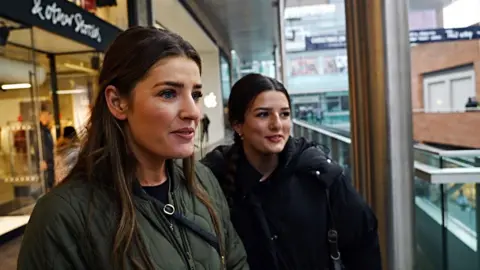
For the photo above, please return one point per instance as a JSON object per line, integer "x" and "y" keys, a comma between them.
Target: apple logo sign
{"x": 210, "y": 100}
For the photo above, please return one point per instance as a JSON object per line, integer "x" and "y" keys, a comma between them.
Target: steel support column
{"x": 281, "y": 33}
{"x": 54, "y": 88}
{"x": 380, "y": 97}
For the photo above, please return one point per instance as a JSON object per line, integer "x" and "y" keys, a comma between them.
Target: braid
{"x": 232, "y": 160}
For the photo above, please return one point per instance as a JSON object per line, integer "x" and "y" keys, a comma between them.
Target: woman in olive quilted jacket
{"x": 127, "y": 204}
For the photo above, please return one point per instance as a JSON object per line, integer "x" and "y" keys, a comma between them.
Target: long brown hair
{"x": 105, "y": 158}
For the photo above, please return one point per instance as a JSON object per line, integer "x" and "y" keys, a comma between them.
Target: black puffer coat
{"x": 284, "y": 220}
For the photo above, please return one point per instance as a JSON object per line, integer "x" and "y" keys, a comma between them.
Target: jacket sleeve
{"x": 51, "y": 239}
{"x": 357, "y": 227}
{"x": 236, "y": 257}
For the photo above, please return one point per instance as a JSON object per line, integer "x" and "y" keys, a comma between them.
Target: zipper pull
{"x": 224, "y": 267}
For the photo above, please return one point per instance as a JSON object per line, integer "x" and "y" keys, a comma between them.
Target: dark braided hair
{"x": 243, "y": 94}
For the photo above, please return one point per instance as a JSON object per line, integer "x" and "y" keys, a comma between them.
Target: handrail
{"x": 446, "y": 110}
{"x": 323, "y": 131}
{"x": 447, "y": 175}
{"x": 428, "y": 173}
{"x": 448, "y": 153}
{"x": 433, "y": 150}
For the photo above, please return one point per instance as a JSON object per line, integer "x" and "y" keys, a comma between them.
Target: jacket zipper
{"x": 169, "y": 227}
{"x": 185, "y": 240}
{"x": 185, "y": 245}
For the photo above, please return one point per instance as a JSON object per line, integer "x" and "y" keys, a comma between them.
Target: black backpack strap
{"x": 169, "y": 210}
{"x": 332, "y": 233}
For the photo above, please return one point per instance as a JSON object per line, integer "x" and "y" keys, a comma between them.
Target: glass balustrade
{"x": 445, "y": 189}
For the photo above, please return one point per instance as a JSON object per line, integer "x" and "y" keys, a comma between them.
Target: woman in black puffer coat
{"x": 292, "y": 206}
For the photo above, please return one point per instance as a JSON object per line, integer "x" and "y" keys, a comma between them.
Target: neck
{"x": 151, "y": 175}
{"x": 263, "y": 163}
{"x": 151, "y": 169}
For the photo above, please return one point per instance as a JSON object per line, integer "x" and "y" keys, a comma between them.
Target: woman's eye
{"x": 285, "y": 114}
{"x": 262, "y": 114}
{"x": 168, "y": 94}
{"x": 197, "y": 95}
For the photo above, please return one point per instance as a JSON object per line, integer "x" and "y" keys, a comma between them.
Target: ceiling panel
{"x": 251, "y": 25}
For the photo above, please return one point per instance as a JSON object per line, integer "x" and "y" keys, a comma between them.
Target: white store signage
{"x": 55, "y": 15}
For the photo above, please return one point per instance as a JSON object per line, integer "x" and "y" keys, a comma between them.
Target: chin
{"x": 274, "y": 149}
{"x": 182, "y": 152}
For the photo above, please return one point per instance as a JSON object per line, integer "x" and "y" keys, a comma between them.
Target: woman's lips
{"x": 185, "y": 133}
{"x": 274, "y": 138}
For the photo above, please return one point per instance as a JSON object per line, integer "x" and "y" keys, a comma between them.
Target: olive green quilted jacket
{"x": 56, "y": 236}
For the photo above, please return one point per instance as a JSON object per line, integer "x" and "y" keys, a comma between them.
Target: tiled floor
{"x": 9, "y": 254}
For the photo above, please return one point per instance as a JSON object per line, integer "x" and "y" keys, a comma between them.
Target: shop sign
{"x": 55, "y": 15}
{"x": 315, "y": 43}
{"x": 443, "y": 35}
{"x": 63, "y": 18}
{"x": 327, "y": 42}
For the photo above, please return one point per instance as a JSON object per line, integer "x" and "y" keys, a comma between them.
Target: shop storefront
{"x": 50, "y": 54}
{"x": 226, "y": 78}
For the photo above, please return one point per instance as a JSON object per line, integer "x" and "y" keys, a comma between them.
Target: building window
{"x": 345, "y": 103}
{"x": 333, "y": 104}
{"x": 449, "y": 90}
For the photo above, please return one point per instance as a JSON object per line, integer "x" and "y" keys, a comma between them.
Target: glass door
{"x": 21, "y": 178}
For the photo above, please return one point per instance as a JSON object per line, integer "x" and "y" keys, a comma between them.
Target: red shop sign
{"x": 90, "y": 5}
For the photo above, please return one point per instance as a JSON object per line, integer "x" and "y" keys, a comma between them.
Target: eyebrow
{"x": 177, "y": 84}
{"x": 269, "y": 109}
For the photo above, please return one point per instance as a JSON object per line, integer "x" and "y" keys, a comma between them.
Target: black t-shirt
{"x": 159, "y": 192}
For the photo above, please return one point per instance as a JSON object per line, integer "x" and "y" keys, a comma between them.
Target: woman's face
{"x": 267, "y": 123}
{"x": 164, "y": 110}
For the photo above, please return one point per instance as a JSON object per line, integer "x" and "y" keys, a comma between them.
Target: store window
{"x": 449, "y": 91}
{"x": 19, "y": 141}
{"x": 226, "y": 82}
{"x": 225, "y": 78}
{"x": 52, "y": 74}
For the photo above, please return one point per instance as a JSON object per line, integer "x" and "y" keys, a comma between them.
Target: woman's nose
{"x": 275, "y": 122}
{"x": 190, "y": 109}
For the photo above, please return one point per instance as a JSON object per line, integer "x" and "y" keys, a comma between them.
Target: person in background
{"x": 127, "y": 203}
{"x": 292, "y": 206}
{"x": 66, "y": 154}
{"x": 462, "y": 200}
{"x": 472, "y": 104}
{"x": 204, "y": 126}
{"x": 47, "y": 162}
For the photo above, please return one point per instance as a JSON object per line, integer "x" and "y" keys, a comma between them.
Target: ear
{"x": 117, "y": 105}
{"x": 238, "y": 129}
